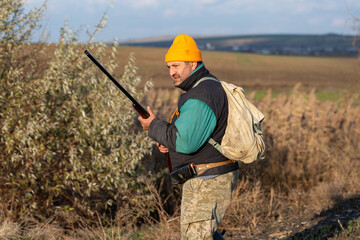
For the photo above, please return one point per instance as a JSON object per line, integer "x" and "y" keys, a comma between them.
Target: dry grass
{"x": 312, "y": 160}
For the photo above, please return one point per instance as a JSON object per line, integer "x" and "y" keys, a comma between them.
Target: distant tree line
{"x": 307, "y": 45}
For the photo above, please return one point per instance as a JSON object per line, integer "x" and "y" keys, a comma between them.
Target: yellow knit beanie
{"x": 183, "y": 49}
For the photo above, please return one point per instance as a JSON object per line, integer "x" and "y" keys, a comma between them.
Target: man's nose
{"x": 172, "y": 71}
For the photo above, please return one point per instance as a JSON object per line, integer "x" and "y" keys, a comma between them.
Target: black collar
{"x": 188, "y": 83}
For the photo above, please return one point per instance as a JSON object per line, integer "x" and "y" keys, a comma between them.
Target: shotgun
{"x": 140, "y": 109}
{"x": 143, "y": 113}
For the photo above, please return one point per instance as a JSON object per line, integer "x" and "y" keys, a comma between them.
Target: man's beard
{"x": 176, "y": 76}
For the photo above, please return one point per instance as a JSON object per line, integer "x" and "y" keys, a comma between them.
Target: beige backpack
{"x": 243, "y": 140}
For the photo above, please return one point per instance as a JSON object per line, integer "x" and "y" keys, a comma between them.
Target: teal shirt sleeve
{"x": 194, "y": 126}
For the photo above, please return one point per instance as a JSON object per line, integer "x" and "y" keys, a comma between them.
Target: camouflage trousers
{"x": 203, "y": 205}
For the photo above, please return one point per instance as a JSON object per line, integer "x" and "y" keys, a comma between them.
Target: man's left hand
{"x": 145, "y": 122}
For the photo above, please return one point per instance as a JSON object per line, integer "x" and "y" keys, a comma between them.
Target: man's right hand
{"x": 162, "y": 148}
{"x": 145, "y": 122}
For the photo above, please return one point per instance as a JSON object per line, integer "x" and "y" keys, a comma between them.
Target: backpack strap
{"x": 215, "y": 144}
{"x": 205, "y": 78}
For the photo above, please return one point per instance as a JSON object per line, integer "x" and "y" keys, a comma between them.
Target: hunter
{"x": 201, "y": 113}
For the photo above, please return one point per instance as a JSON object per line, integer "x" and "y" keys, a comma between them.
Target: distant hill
{"x": 282, "y": 44}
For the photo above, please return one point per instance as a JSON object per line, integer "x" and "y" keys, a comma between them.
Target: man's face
{"x": 179, "y": 71}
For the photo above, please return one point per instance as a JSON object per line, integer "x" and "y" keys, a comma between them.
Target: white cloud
{"x": 67, "y": 2}
{"x": 315, "y": 21}
{"x": 338, "y": 22}
{"x": 34, "y": 2}
{"x": 169, "y": 13}
{"x": 218, "y": 16}
{"x": 144, "y": 3}
{"x": 280, "y": 6}
{"x": 206, "y": 1}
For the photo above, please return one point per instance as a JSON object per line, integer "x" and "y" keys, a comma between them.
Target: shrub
{"x": 68, "y": 137}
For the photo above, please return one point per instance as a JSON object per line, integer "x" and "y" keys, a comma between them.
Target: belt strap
{"x": 200, "y": 168}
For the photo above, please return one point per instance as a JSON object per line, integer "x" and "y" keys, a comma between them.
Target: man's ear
{"x": 193, "y": 66}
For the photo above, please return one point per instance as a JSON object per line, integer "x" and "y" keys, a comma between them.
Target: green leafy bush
{"x": 68, "y": 136}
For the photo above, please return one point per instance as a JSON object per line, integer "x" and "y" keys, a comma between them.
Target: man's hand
{"x": 162, "y": 148}
{"x": 145, "y": 123}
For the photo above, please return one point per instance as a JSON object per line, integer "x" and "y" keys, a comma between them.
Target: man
{"x": 202, "y": 113}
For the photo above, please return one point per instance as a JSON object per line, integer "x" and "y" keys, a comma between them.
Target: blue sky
{"x": 133, "y": 19}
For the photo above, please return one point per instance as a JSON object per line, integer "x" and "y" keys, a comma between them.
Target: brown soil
{"x": 255, "y": 72}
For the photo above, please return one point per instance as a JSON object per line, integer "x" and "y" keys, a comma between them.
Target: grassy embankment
{"x": 328, "y": 76}
{"x": 257, "y": 72}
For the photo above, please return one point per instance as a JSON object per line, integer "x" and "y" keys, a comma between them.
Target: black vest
{"x": 213, "y": 95}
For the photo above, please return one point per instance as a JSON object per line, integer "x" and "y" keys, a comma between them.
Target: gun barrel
{"x": 136, "y": 104}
